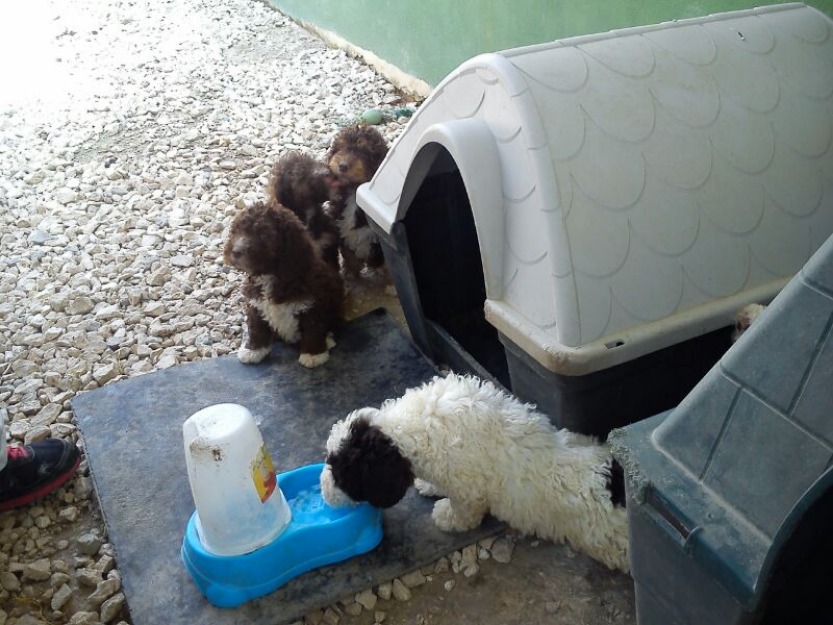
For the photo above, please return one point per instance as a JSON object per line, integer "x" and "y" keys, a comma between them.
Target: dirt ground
{"x": 543, "y": 583}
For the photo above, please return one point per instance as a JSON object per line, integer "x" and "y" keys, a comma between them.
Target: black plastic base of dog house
{"x": 434, "y": 258}
{"x": 598, "y": 402}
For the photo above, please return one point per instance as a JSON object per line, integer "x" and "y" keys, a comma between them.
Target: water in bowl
{"x": 308, "y": 508}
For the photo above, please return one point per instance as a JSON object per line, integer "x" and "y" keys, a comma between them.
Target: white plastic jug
{"x": 240, "y": 506}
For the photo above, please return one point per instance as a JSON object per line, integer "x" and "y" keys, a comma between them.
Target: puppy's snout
{"x": 342, "y": 167}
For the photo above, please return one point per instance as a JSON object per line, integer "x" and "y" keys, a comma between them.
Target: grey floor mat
{"x": 133, "y": 435}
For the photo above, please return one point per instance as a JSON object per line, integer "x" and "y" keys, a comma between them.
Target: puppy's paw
{"x": 331, "y": 342}
{"x": 444, "y": 517}
{"x": 427, "y": 489}
{"x": 251, "y": 356}
{"x": 311, "y": 361}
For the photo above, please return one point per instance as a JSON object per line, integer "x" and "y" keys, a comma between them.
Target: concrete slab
{"x": 132, "y": 431}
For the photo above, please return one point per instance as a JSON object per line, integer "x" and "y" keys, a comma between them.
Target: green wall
{"x": 429, "y": 38}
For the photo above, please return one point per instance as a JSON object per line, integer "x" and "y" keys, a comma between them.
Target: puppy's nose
{"x": 342, "y": 167}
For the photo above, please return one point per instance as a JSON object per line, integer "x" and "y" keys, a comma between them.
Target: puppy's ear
{"x": 369, "y": 467}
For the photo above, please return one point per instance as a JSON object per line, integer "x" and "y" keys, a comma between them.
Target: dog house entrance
{"x": 445, "y": 258}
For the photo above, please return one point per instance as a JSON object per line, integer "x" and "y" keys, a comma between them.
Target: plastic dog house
{"x": 730, "y": 495}
{"x": 581, "y": 220}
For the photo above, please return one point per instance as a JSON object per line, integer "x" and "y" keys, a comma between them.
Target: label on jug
{"x": 263, "y": 474}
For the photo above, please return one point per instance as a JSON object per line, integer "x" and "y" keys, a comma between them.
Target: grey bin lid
{"x": 750, "y": 448}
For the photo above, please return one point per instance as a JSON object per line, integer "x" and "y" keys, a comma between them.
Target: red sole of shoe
{"x": 43, "y": 490}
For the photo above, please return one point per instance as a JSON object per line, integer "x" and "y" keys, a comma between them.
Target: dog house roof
{"x": 633, "y": 189}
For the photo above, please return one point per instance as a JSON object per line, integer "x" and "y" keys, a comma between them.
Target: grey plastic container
{"x": 730, "y": 495}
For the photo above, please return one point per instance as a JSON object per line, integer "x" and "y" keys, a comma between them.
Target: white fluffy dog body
{"x": 484, "y": 452}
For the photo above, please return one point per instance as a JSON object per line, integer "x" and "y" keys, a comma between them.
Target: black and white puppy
{"x": 482, "y": 451}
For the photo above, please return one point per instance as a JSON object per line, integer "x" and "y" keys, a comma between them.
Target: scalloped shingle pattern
{"x": 650, "y": 171}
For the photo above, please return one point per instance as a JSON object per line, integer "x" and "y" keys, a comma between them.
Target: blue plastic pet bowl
{"x": 317, "y": 535}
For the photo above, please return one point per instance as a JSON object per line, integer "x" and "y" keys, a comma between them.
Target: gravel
{"x": 130, "y": 133}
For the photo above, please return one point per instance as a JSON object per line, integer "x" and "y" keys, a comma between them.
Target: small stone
{"x": 39, "y": 237}
{"x": 442, "y": 565}
{"x": 449, "y": 585}
{"x": 88, "y": 543}
{"x": 413, "y": 579}
{"x": 84, "y": 618}
{"x": 105, "y": 564}
{"x": 104, "y": 590}
{"x": 166, "y": 362}
{"x": 159, "y": 277}
{"x": 80, "y": 306}
{"x": 469, "y": 555}
{"x": 108, "y": 312}
{"x": 58, "y": 302}
{"x": 88, "y": 577}
{"x": 48, "y": 414}
{"x": 471, "y": 570}
{"x": 181, "y": 260}
{"x": 68, "y": 514}
{"x": 135, "y": 296}
{"x": 367, "y": 599}
{"x": 61, "y": 596}
{"x": 105, "y": 373}
{"x": 37, "y": 433}
{"x": 155, "y": 309}
{"x": 112, "y": 607}
{"x": 400, "y": 591}
{"x": 65, "y": 195}
{"x": 385, "y": 591}
{"x": 331, "y": 617}
{"x": 9, "y": 581}
{"x": 502, "y": 550}
{"x": 353, "y": 609}
{"x": 379, "y": 616}
{"x": 38, "y": 571}
{"x": 228, "y": 164}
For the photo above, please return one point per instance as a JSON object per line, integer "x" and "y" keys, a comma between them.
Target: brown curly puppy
{"x": 354, "y": 156}
{"x": 291, "y": 294}
{"x": 302, "y": 184}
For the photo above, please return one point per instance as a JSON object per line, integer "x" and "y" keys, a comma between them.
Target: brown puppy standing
{"x": 291, "y": 293}
{"x": 354, "y": 156}
{"x": 302, "y": 184}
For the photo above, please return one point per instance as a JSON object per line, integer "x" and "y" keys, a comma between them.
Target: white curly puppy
{"x": 483, "y": 451}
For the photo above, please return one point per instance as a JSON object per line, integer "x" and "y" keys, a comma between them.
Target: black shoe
{"x": 35, "y": 470}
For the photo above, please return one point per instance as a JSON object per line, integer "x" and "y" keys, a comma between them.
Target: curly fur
{"x": 291, "y": 294}
{"x": 354, "y": 156}
{"x": 302, "y": 184}
{"x": 484, "y": 452}
{"x": 744, "y": 319}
